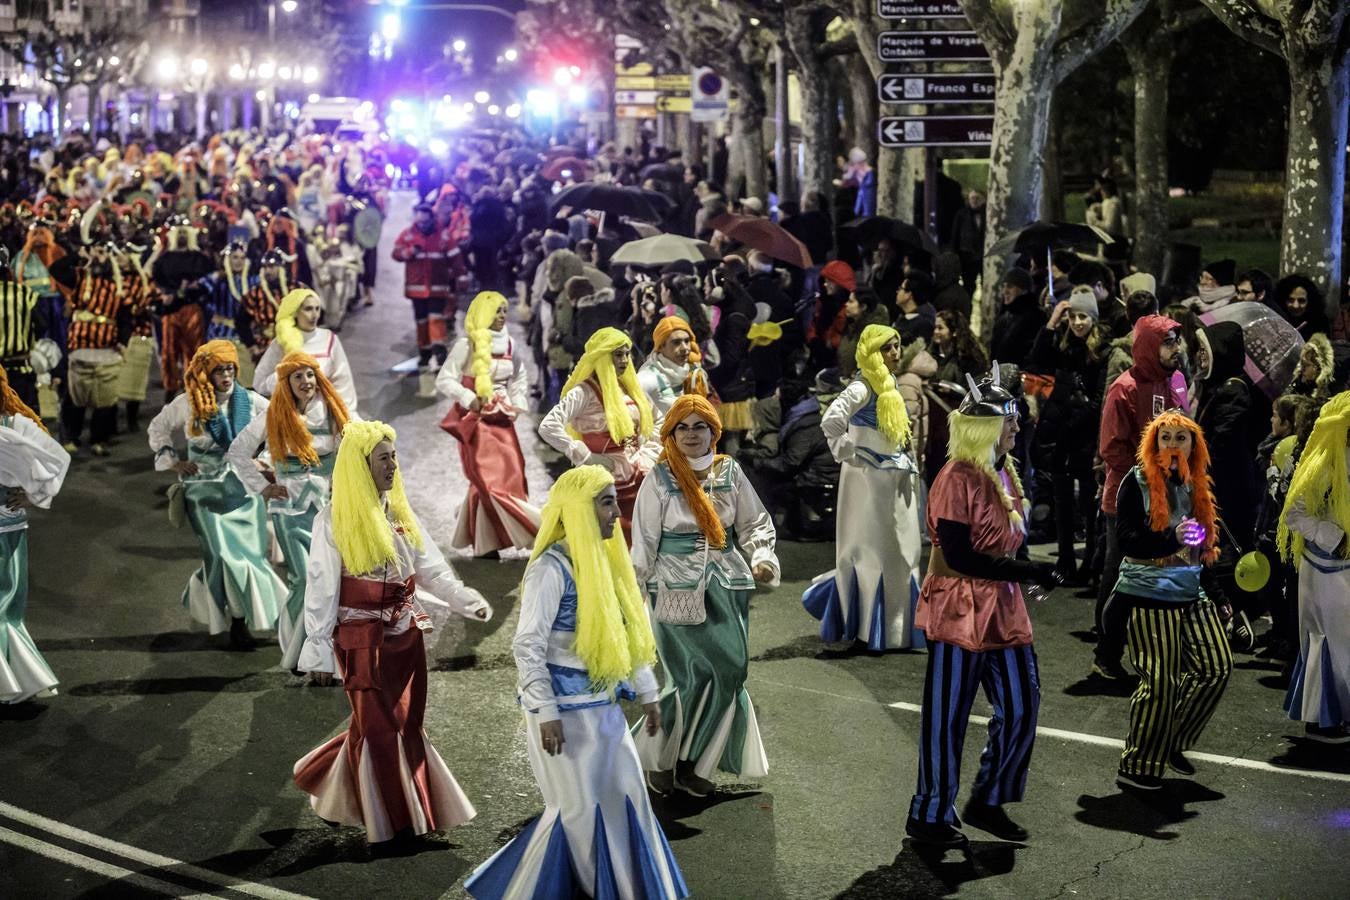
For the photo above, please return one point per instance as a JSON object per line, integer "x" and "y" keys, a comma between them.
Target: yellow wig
{"x": 1320, "y": 482}
{"x": 597, "y": 361}
{"x": 289, "y": 335}
{"x": 197, "y": 385}
{"x": 973, "y": 439}
{"x": 478, "y": 322}
{"x": 614, "y": 635}
{"x": 892, "y": 419}
{"x": 362, "y": 532}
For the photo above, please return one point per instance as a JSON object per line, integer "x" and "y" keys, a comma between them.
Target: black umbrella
{"x": 1040, "y": 236}
{"x": 869, "y": 231}
{"x": 661, "y": 172}
{"x": 606, "y": 198}
{"x": 659, "y": 201}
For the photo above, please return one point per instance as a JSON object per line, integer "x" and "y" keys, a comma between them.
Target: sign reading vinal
{"x": 935, "y": 88}
{"x": 930, "y": 46}
{"x": 920, "y": 9}
{"x": 936, "y": 131}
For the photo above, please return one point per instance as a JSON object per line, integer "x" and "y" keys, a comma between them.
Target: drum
{"x": 366, "y": 226}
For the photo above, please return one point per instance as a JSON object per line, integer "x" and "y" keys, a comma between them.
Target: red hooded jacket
{"x": 1142, "y": 391}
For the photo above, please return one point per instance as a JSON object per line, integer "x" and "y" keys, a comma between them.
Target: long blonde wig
{"x": 478, "y": 323}
{"x": 974, "y": 439}
{"x": 1321, "y": 484}
{"x": 361, "y": 530}
{"x": 288, "y": 334}
{"x": 597, "y": 361}
{"x": 614, "y": 635}
{"x": 892, "y": 419}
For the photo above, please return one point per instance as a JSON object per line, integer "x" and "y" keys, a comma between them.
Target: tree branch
{"x": 1244, "y": 21}
{"x": 995, "y": 36}
{"x": 1072, "y": 51}
{"x": 842, "y": 47}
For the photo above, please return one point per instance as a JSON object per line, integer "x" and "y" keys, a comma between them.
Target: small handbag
{"x": 177, "y": 504}
{"x": 683, "y": 606}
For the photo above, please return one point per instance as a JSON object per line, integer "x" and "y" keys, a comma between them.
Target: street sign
{"x": 920, "y": 9}
{"x": 674, "y": 82}
{"x": 634, "y": 83}
{"x": 935, "y": 88}
{"x": 638, "y": 98}
{"x": 674, "y": 103}
{"x": 936, "y": 131}
{"x": 642, "y": 68}
{"x": 634, "y": 112}
{"x": 710, "y": 95}
{"x": 930, "y": 46}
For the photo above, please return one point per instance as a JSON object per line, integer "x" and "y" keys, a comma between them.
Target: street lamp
{"x": 309, "y": 74}
{"x": 511, "y": 54}
{"x": 267, "y": 70}
{"x": 481, "y": 97}
{"x": 390, "y": 26}
{"x": 459, "y": 45}
{"x": 199, "y": 66}
{"x": 167, "y": 67}
{"x": 289, "y": 6}
{"x": 237, "y": 72}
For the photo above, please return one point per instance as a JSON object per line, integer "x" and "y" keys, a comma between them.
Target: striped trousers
{"x": 1183, "y": 660}
{"x": 1013, "y": 689}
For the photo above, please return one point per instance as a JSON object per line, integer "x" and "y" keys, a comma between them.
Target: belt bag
{"x": 360, "y": 642}
{"x": 683, "y": 606}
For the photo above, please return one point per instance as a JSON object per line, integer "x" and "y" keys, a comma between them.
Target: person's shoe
{"x": 1138, "y": 782}
{"x": 993, "y": 819}
{"x": 661, "y": 783}
{"x": 1178, "y": 763}
{"x": 101, "y": 450}
{"x": 1111, "y": 671}
{"x": 693, "y": 785}
{"x": 935, "y": 834}
{"x": 1241, "y": 637}
{"x": 71, "y": 447}
{"x": 240, "y": 639}
{"x": 1331, "y": 734}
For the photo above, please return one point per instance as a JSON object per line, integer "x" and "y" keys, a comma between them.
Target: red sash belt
{"x": 359, "y": 640}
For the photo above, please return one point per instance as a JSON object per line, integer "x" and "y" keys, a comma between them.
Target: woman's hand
{"x": 15, "y": 499}
{"x": 1061, "y": 309}
{"x": 275, "y": 492}
{"x": 551, "y": 736}
{"x": 653, "y": 713}
{"x": 763, "y": 574}
{"x": 186, "y": 467}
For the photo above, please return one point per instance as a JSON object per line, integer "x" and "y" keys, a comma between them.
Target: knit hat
{"x": 753, "y": 205}
{"x": 1223, "y": 270}
{"x": 1083, "y": 300}
{"x": 1138, "y": 281}
{"x": 841, "y": 273}
{"x": 666, "y": 327}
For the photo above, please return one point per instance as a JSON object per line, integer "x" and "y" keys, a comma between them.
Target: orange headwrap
{"x": 286, "y": 431}
{"x": 697, "y": 380}
{"x": 697, "y": 498}
{"x": 201, "y": 393}
{"x": 666, "y": 327}
{"x": 11, "y": 404}
{"x": 1193, "y": 471}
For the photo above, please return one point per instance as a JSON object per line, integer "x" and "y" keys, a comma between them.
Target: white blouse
{"x": 582, "y": 408}
{"x": 174, "y": 419}
{"x": 439, "y": 590}
{"x": 859, "y": 444}
{"x": 510, "y": 380}
{"x": 309, "y": 488}
{"x": 32, "y": 460}
{"x": 325, "y": 347}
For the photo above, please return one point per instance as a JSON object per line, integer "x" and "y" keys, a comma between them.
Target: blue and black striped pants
{"x": 1013, "y": 688}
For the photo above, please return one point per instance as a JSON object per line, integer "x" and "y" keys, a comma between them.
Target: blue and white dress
{"x": 597, "y": 834}
{"x": 871, "y": 593}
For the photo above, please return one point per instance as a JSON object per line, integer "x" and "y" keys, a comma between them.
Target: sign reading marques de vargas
{"x": 936, "y": 131}
{"x": 930, "y": 46}
{"x": 920, "y": 9}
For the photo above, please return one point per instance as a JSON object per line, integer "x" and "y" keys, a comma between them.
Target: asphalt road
{"x": 163, "y": 767}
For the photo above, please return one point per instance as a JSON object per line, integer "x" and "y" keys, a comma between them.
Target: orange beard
{"x": 1174, "y": 461}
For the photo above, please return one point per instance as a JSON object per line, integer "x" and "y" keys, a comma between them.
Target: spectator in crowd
{"x": 1019, "y": 319}
{"x": 968, "y": 238}
{"x": 915, "y": 302}
{"x": 1300, "y": 301}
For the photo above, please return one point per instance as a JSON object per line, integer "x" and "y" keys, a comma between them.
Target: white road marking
{"x": 144, "y": 857}
{"x": 98, "y": 866}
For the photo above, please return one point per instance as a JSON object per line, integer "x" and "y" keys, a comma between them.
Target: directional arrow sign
{"x": 920, "y": 9}
{"x": 930, "y": 46}
{"x": 936, "y": 131}
{"x": 935, "y": 88}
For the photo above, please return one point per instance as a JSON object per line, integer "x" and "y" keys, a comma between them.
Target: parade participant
{"x": 433, "y": 263}
{"x": 335, "y": 280}
{"x": 178, "y": 265}
{"x": 32, "y": 267}
{"x": 701, "y": 540}
{"x": 139, "y": 294}
{"x": 302, "y": 428}
{"x": 100, "y": 327}
{"x": 222, "y": 297}
{"x": 297, "y": 328}
{"x": 1167, "y": 525}
{"x": 256, "y": 321}
{"x": 32, "y": 468}
{"x": 235, "y": 587}
{"x": 604, "y": 418}
{"x": 375, "y": 578}
{"x": 974, "y": 616}
{"x": 672, "y": 368}
{"x": 1312, "y": 534}
{"x": 870, "y": 595}
{"x": 489, "y": 386}
{"x": 20, "y": 324}
{"x": 583, "y": 641}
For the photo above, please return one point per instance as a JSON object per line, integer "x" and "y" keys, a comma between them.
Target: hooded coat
{"x": 1015, "y": 330}
{"x": 1227, "y": 414}
{"x": 947, "y": 279}
{"x": 1141, "y": 392}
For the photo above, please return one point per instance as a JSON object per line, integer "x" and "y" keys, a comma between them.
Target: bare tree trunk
{"x": 1314, "y": 189}
{"x": 863, "y": 93}
{"x": 818, "y": 120}
{"x": 1150, "y": 49}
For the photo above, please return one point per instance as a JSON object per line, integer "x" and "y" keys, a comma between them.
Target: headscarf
{"x": 973, "y": 439}
{"x": 11, "y": 404}
{"x": 614, "y": 635}
{"x": 597, "y": 361}
{"x": 201, "y": 393}
{"x": 287, "y": 435}
{"x": 361, "y": 530}
{"x": 288, "y": 334}
{"x": 694, "y": 494}
{"x": 478, "y": 322}
{"x": 1320, "y": 484}
{"x": 696, "y": 381}
{"x": 892, "y": 419}
{"x": 1194, "y": 472}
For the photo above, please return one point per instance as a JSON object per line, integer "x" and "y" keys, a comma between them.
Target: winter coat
{"x": 916, "y": 326}
{"x": 1075, "y": 403}
{"x": 803, "y": 455}
{"x": 947, "y": 279}
{"x": 588, "y": 315}
{"x": 432, "y": 263}
{"x": 765, "y": 287}
{"x": 1226, "y": 413}
{"x": 1015, "y": 330}
{"x": 917, "y": 366}
{"x": 733, "y": 377}
{"x": 1140, "y": 393}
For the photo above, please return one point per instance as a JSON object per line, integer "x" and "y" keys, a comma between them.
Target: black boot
{"x": 993, "y": 819}
{"x": 240, "y": 639}
{"x": 133, "y": 408}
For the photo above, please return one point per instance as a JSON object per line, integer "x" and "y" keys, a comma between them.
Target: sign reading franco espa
{"x": 935, "y": 88}
{"x": 930, "y": 46}
{"x": 920, "y": 9}
{"x": 936, "y": 131}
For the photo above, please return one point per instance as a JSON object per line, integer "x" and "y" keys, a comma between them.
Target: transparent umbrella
{"x": 1272, "y": 344}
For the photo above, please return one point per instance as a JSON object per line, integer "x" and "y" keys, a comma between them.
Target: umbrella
{"x": 1273, "y": 345}
{"x": 662, "y": 250}
{"x": 870, "y": 230}
{"x": 562, "y": 167}
{"x": 659, "y": 201}
{"x": 764, "y": 236}
{"x": 1037, "y": 236}
{"x": 661, "y": 172}
{"x": 643, "y": 230}
{"x": 607, "y": 198}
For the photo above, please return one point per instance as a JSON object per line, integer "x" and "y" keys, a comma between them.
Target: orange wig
{"x": 11, "y": 404}
{"x": 694, "y": 494}
{"x": 286, "y": 432}
{"x": 1193, "y": 471}
{"x": 201, "y": 393}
